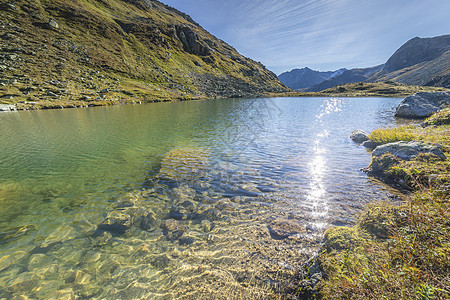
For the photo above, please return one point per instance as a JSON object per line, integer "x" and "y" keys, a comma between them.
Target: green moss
{"x": 340, "y": 238}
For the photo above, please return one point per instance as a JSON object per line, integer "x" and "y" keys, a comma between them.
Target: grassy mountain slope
{"x": 420, "y": 61}
{"x": 104, "y": 51}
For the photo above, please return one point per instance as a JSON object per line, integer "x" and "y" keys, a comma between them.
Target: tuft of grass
{"x": 390, "y": 135}
{"x": 440, "y": 118}
{"x": 402, "y": 253}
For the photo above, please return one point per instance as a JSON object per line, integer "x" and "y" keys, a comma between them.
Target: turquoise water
{"x": 221, "y": 198}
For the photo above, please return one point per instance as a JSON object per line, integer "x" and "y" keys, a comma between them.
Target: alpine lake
{"x": 217, "y": 199}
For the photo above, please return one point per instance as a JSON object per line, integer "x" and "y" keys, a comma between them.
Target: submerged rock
{"x": 408, "y": 150}
{"x": 359, "y": 136}
{"x": 173, "y": 229}
{"x": 118, "y": 222}
{"x": 422, "y": 105}
{"x": 184, "y": 165}
{"x": 284, "y": 228}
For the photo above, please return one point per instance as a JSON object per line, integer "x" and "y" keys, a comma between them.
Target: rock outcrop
{"x": 408, "y": 150}
{"x": 422, "y": 105}
{"x": 191, "y": 41}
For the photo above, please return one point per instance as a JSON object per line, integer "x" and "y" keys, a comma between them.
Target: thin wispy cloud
{"x": 321, "y": 34}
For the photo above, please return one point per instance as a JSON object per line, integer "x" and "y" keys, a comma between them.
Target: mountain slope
{"x": 348, "y": 76}
{"x": 420, "y": 61}
{"x": 118, "y": 50}
{"x": 303, "y": 78}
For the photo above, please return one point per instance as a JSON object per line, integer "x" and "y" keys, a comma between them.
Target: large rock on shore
{"x": 422, "y": 105}
{"x": 408, "y": 150}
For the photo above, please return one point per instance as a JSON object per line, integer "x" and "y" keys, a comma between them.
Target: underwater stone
{"x": 173, "y": 229}
{"x": 284, "y": 228}
{"x": 207, "y": 225}
{"x": 116, "y": 222}
{"x": 186, "y": 240}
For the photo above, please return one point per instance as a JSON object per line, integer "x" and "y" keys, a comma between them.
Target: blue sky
{"x": 320, "y": 34}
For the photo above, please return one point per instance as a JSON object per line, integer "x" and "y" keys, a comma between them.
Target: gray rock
{"x": 359, "y": 136}
{"x": 11, "y": 6}
{"x": 7, "y": 107}
{"x": 51, "y": 94}
{"x": 52, "y": 24}
{"x": 370, "y": 144}
{"x": 12, "y": 56}
{"x": 103, "y": 91}
{"x": 408, "y": 150}
{"x": 310, "y": 274}
{"x": 422, "y": 105}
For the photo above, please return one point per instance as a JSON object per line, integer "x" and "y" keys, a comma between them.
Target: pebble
{"x": 53, "y": 24}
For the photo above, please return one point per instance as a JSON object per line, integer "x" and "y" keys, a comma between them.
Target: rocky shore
{"x": 397, "y": 250}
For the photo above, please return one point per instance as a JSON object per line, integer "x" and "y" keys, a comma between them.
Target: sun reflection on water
{"x": 317, "y": 167}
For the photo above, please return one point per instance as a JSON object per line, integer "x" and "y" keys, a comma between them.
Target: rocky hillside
{"x": 299, "y": 79}
{"x": 96, "y": 52}
{"x": 420, "y": 61}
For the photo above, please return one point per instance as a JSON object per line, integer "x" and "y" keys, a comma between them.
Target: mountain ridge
{"x": 298, "y": 79}
{"x": 419, "y": 61}
{"x": 349, "y": 76}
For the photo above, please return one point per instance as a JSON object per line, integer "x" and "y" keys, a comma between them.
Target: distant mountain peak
{"x": 298, "y": 79}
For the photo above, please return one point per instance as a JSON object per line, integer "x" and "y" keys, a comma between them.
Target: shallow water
{"x": 220, "y": 198}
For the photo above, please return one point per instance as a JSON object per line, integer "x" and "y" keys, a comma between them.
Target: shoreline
{"x": 394, "y": 251}
{"x": 351, "y": 90}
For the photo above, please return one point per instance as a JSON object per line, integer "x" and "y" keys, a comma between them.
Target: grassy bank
{"x": 397, "y": 251}
{"x": 365, "y": 89}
